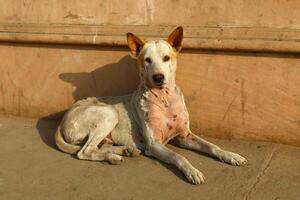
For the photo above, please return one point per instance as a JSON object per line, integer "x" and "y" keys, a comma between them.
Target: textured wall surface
{"x": 245, "y": 13}
{"x": 234, "y": 92}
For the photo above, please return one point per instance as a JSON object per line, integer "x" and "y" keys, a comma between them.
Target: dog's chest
{"x": 167, "y": 115}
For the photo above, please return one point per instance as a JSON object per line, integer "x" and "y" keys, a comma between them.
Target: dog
{"x": 105, "y": 129}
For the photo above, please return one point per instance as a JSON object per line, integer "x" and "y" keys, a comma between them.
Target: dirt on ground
{"x": 31, "y": 167}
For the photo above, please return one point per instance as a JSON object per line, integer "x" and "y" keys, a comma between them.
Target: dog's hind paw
{"x": 114, "y": 159}
{"x": 131, "y": 152}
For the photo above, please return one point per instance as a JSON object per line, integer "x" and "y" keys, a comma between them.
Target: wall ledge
{"x": 255, "y": 39}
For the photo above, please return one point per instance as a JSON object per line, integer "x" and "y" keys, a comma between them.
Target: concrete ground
{"x": 32, "y": 168}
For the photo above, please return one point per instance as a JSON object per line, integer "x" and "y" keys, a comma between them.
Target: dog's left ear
{"x": 175, "y": 38}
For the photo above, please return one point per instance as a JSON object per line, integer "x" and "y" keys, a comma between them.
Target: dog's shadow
{"x": 109, "y": 80}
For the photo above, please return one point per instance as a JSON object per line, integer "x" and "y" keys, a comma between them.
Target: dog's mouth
{"x": 160, "y": 84}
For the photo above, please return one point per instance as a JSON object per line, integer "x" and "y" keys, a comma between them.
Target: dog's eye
{"x": 148, "y": 60}
{"x": 166, "y": 58}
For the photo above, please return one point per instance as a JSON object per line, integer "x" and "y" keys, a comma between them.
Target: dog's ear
{"x": 134, "y": 43}
{"x": 175, "y": 38}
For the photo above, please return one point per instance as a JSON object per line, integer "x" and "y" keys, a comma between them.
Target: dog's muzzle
{"x": 158, "y": 79}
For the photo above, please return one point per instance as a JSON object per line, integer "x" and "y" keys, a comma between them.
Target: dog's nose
{"x": 158, "y": 79}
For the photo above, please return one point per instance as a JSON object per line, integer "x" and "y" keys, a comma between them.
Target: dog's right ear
{"x": 134, "y": 43}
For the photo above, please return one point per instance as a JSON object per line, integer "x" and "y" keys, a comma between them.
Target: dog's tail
{"x": 63, "y": 145}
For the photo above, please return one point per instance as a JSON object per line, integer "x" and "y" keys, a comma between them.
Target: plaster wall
{"x": 239, "y": 70}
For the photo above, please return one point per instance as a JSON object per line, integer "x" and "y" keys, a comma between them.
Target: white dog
{"x": 108, "y": 128}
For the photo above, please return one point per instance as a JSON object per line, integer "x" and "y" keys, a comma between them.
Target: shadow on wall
{"x": 109, "y": 80}
{"x": 113, "y": 79}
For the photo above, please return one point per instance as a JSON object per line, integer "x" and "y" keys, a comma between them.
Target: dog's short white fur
{"x": 108, "y": 128}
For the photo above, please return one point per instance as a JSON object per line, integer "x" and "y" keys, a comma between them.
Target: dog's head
{"x": 157, "y": 59}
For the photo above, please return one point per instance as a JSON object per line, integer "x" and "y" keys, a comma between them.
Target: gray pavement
{"x": 32, "y": 168}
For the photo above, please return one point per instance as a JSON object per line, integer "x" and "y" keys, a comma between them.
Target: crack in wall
{"x": 149, "y": 11}
{"x": 260, "y": 175}
{"x": 229, "y": 108}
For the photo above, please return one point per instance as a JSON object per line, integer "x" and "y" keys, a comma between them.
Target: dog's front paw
{"x": 194, "y": 175}
{"x": 232, "y": 158}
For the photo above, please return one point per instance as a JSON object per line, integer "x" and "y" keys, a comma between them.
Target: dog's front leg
{"x": 194, "y": 142}
{"x": 166, "y": 155}
{"x": 161, "y": 152}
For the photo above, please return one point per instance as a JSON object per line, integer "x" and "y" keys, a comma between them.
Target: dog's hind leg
{"x": 107, "y": 152}
{"x": 194, "y": 142}
{"x": 100, "y": 130}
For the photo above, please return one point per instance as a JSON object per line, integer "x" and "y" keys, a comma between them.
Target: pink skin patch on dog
{"x": 167, "y": 115}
